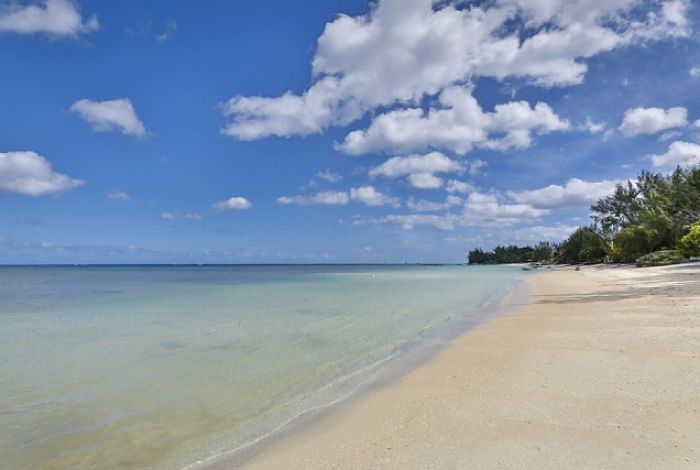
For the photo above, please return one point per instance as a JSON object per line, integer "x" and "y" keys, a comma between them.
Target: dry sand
{"x": 601, "y": 370}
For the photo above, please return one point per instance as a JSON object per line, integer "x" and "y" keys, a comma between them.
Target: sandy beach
{"x": 600, "y": 370}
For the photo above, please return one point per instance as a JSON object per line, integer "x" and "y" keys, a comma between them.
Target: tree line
{"x": 654, "y": 220}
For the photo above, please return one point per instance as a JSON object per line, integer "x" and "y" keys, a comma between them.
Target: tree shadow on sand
{"x": 604, "y": 296}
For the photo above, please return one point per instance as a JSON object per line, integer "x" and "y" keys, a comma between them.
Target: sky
{"x": 330, "y": 131}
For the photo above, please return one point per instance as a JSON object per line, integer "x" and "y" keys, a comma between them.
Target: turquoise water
{"x": 168, "y": 366}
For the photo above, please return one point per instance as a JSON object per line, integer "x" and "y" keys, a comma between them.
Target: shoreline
{"x": 411, "y": 356}
{"x": 573, "y": 379}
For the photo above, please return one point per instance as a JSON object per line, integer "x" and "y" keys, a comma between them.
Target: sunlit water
{"x": 163, "y": 367}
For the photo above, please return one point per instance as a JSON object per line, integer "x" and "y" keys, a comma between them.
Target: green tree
{"x": 585, "y": 245}
{"x": 543, "y": 252}
{"x": 620, "y": 209}
{"x": 650, "y": 214}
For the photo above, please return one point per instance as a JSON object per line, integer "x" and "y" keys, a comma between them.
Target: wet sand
{"x": 600, "y": 370}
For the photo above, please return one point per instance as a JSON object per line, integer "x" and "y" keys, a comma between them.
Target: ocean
{"x": 178, "y": 366}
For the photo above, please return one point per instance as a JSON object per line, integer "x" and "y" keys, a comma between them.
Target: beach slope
{"x": 601, "y": 370}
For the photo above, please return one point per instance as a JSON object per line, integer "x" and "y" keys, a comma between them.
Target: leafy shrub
{"x": 689, "y": 244}
{"x": 660, "y": 258}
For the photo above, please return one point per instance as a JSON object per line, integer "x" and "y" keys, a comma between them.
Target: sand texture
{"x": 601, "y": 370}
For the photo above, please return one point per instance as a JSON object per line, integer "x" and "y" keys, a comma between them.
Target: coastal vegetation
{"x": 512, "y": 254}
{"x": 654, "y": 220}
{"x": 660, "y": 258}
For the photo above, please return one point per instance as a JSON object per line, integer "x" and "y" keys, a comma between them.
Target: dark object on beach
{"x": 660, "y": 258}
{"x": 578, "y": 268}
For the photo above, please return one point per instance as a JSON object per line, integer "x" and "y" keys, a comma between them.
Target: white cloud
{"x": 575, "y": 193}
{"x": 182, "y": 215}
{"x": 425, "y": 181}
{"x": 477, "y": 210}
{"x": 670, "y": 135}
{"x": 112, "y": 115}
{"x": 31, "y": 174}
{"x": 458, "y": 125}
{"x": 674, "y": 13}
{"x": 367, "y": 195}
{"x": 170, "y": 29}
{"x": 652, "y": 120}
{"x": 475, "y": 166}
{"x": 371, "y": 197}
{"x": 520, "y": 236}
{"x": 409, "y": 221}
{"x": 117, "y": 195}
{"x": 335, "y": 198}
{"x": 420, "y": 169}
{"x": 235, "y": 202}
{"x": 541, "y": 233}
{"x": 421, "y": 205}
{"x": 257, "y": 117}
{"x": 53, "y": 17}
{"x": 456, "y": 186}
{"x": 404, "y": 50}
{"x": 486, "y": 210}
{"x": 678, "y": 153}
{"x": 329, "y": 176}
{"x": 694, "y": 72}
{"x": 608, "y": 135}
{"x": 591, "y": 126}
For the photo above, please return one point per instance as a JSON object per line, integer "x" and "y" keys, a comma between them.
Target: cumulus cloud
{"x": 422, "y": 205}
{"x": 458, "y": 125}
{"x": 475, "y": 166}
{"x": 678, "y": 153}
{"x": 694, "y": 72}
{"x": 521, "y": 236}
{"x": 409, "y": 221}
{"x": 420, "y": 169}
{"x": 482, "y": 209}
{"x": 477, "y": 210}
{"x": 404, "y": 50}
{"x": 652, "y": 120}
{"x": 117, "y": 195}
{"x": 194, "y": 216}
{"x": 110, "y": 116}
{"x": 371, "y": 197}
{"x": 329, "y": 176}
{"x": 235, "y": 202}
{"x": 591, "y": 126}
{"x": 332, "y": 198}
{"x": 574, "y": 193}
{"x": 367, "y": 195}
{"x": 31, "y": 174}
{"x": 425, "y": 181}
{"x": 456, "y": 186}
{"x": 541, "y": 233}
{"x": 670, "y": 135}
{"x": 59, "y": 18}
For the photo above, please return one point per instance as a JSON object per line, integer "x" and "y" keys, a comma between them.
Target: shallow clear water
{"x": 164, "y": 366}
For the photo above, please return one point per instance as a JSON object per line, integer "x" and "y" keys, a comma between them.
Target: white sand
{"x": 602, "y": 370}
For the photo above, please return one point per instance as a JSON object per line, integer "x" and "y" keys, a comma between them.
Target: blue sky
{"x": 330, "y": 131}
